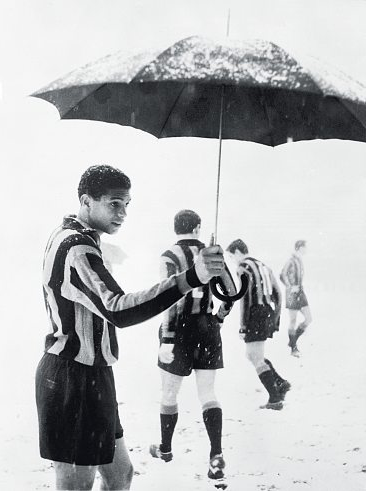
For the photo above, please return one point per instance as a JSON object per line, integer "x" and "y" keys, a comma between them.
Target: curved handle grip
{"x": 226, "y": 295}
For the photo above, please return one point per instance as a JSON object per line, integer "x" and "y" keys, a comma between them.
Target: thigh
{"x": 205, "y": 382}
{"x": 255, "y": 352}
{"x": 205, "y": 379}
{"x": 171, "y": 385}
{"x": 307, "y": 314}
{"x": 74, "y": 477}
{"x": 118, "y": 475}
{"x": 292, "y": 315}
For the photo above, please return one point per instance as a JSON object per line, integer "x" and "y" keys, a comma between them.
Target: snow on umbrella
{"x": 244, "y": 90}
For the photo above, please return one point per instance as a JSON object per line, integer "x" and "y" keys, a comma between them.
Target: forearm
{"x": 92, "y": 285}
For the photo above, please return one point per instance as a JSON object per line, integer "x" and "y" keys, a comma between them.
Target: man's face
{"x": 108, "y": 213}
{"x": 302, "y": 250}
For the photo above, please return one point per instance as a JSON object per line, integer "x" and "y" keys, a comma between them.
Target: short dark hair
{"x": 239, "y": 245}
{"x": 97, "y": 180}
{"x": 185, "y": 221}
{"x": 299, "y": 243}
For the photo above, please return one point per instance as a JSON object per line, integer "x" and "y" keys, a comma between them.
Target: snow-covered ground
{"x": 317, "y": 442}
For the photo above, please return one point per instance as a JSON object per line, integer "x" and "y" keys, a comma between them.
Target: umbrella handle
{"x": 226, "y": 284}
{"x": 220, "y": 281}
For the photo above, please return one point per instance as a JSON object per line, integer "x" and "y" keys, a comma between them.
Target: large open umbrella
{"x": 243, "y": 90}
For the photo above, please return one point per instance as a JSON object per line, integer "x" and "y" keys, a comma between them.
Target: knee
{"x": 120, "y": 481}
{"x": 169, "y": 397}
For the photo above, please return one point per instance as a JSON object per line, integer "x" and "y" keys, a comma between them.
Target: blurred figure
{"x": 292, "y": 276}
{"x": 190, "y": 340}
{"x": 260, "y": 317}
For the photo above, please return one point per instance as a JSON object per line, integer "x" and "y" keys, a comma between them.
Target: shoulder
{"x": 172, "y": 254}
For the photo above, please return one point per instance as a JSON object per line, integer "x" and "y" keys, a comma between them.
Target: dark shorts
{"x": 296, "y": 301}
{"x": 261, "y": 325}
{"x": 77, "y": 412}
{"x": 197, "y": 346}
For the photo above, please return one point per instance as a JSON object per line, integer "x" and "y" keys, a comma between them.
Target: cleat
{"x": 276, "y": 406}
{"x": 158, "y": 454}
{"x": 295, "y": 352}
{"x": 283, "y": 388}
{"x": 216, "y": 469}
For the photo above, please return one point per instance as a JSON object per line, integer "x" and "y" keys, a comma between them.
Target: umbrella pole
{"x": 219, "y": 164}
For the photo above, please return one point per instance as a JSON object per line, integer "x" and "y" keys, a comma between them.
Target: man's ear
{"x": 85, "y": 200}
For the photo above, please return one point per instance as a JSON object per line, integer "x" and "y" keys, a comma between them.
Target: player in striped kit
{"x": 260, "y": 315}
{"x": 292, "y": 276}
{"x": 190, "y": 340}
{"x": 79, "y": 425}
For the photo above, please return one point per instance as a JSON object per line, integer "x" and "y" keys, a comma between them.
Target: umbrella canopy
{"x": 243, "y": 90}
{"x": 263, "y": 93}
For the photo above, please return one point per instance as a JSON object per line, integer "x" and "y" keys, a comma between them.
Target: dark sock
{"x": 213, "y": 421}
{"x": 268, "y": 380}
{"x": 167, "y": 425}
{"x": 292, "y": 340}
{"x": 277, "y": 377}
{"x": 300, "y": 331}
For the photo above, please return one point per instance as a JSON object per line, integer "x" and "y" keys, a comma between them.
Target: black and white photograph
{"x": 183, "y": 297}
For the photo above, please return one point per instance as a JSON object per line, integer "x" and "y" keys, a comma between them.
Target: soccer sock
{"x": 292, "y": 339}
{"x": 300, "y": 330}
{"x": 212, "y": 417}
{"x": 168, "y": 420}
{"x": 277, "y": 377}
{"x": 268, "y": 380}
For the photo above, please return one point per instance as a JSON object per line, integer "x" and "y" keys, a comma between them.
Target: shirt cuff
{"x": 168, "y": 341}
{"x": 188, "y": 280}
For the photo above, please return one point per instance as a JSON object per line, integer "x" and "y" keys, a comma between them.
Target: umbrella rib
{"x": 98, "y": 86}
{"x": 171, "y": 110}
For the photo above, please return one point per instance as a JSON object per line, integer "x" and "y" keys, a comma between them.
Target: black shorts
{"x": 261, "y": 325}
{"x": 197, "y": 345}
{"x": 77, "y": 411}
{"x": 296, "y": 301}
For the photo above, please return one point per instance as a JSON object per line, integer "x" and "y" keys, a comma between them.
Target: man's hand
{"x": 295, "y": 289}
{"x": 166, "y": 353}
{"x": 209, "y": 263}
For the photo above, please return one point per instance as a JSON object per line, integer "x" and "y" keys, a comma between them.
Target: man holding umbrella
{"x": 79, "y": 425}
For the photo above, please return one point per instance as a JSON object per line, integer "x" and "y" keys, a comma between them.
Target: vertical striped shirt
{"x": 199, "y": 301}
{"x": 84, "y": 303}
{"x": 292, "y": 273}
{"x": 262, "y": 288}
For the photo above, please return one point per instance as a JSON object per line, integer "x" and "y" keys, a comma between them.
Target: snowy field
{"x": 269, "y": 197}
{"x": 317, "y": 442}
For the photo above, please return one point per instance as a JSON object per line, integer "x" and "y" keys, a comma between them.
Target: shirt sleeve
{"x": 284, "y": 276}
{"x": 88, "y": 282}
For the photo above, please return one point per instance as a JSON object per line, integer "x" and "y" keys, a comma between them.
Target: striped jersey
{"x": 199, "y": 301}
{"x": 292, "y": 273}
{"x": 262, "y": 287}
{"x": 84, "y": 303}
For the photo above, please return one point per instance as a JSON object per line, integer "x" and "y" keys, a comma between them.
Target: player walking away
{"x": 79, "y": 425}
{"x": 260, "y": 316}
{"x": 190, "y": 340}
{"x": 292, "y": 276}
